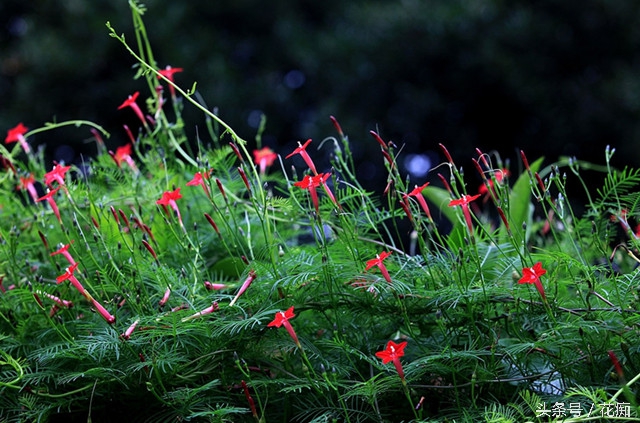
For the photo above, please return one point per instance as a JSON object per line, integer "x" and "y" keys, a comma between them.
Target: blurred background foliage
{"x": 553, "y": 78}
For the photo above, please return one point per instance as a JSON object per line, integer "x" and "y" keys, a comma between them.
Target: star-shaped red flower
{"x": 16, "y": 134}
{"x": 264, "y": 158}
{"x": 169, "y": 196}
{"x": 199, "y": 179}
{"x": 168, "y": 73}
{"x": 282, "y": 319}
{"x": 531, "y": 275}
{"x": 123, "y": 154}
{"x": 378, "y": 261}
{"x": 57, "y": 174}
{"x": 464, "y": 203}
{"x": 131, "y": 102}
{"x": 311, "y": 183}
{"x": 169, "y": 199}
{"x": 392, "y": 352}
{"x": 302, "y": 150}
{"x": 417, "y": 193}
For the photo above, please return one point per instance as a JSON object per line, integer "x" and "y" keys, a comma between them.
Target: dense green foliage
{"x": 271, "y": 292}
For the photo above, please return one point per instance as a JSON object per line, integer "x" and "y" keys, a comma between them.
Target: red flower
{"x": 323, "y": 177}
{"x": 214, "y": 286}
{"x": 247, "y": 282}
{"x": 165, "y": 297}
{"x": 28, "y": 184}
{"x": 311, "y": 183}
{"x": 102, "y": 311}
{"x": 532, "y": 275}
{"x": 499, "y": 176}
{"x": 392, "y": 353}
{"x": 17, "y": 134}
{"x": 337, "y": 126}
{"x": 64, "y": 250}
{"x": 123, "y": 154}
{"x": 213, "y": 307}
{"x": 199, "y": 179}
{"x": 264, "y": 158}
{"x": 616, "y": 364}
{"x": 464, "y": 202}
{"x": 244, "y": 179}
{"x": 68, "y": 275}
{"x": 168, "y": 73}
{"x": 417, "y": 193}
{"x": 169, "y": 199}
{"x": 57, "y": 174}
{"x": 131, "y": 102}
{"x": 212, "y": 223}
{"x": 127, "y": 334}
{"x": 52, "y": 202}
{"x": 282, "y": 319}
{"x": 305, "y": 156}
{"x": 378, "y": 261}
{"x": 252, "y": 404}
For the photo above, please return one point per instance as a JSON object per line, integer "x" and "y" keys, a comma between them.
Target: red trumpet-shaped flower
{"x": 102, "y": 311}
{"x": 486, "y": 189}
{"x": 131, "y": 102}
{"x": 165, "y": 297}
{"x": 337, "y": 126}
{"x": 199, "y": 179}
{"x": 213, "y": 307}
{"x": 311, "y": 183}
{"x": 212, "y": 223}
{"x": 127, "y": 334}
{"x": 169, "y": 199}
{"x": 28, "y": 184}
{"x": 264, "y": 158}
{"x": 305, "y": 156}
{"x": 64, "y": 250}
{"x": 417, "y": 193}
{"x": 252, "y": 404}
{"x": 379, "y": 261}
{"x": 123, "y": 154}
{"x": 68, "y": 275}
{"x": 464, "y": 203}
{"x": 52, "y": 202}
{"x": 214, "y": 286}
{"x": 168, "y": 73}
{"x": 243, "y": 175}
{"x": 392, "y": 353}
{"x": 16, "y": 134}
{"x": 616, "y": 365}
{"x": 56, "y": 174}
{"x": 532, "y": 275}
{"x": 282, "y": 319}
{"x": 247, "y": 282}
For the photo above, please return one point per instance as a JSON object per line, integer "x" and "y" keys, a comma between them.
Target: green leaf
{"x": 229, "y": 267}
{"x": 520, "y": 203}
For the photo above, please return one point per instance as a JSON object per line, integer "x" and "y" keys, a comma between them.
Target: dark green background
{"x": 551, "y": 77}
